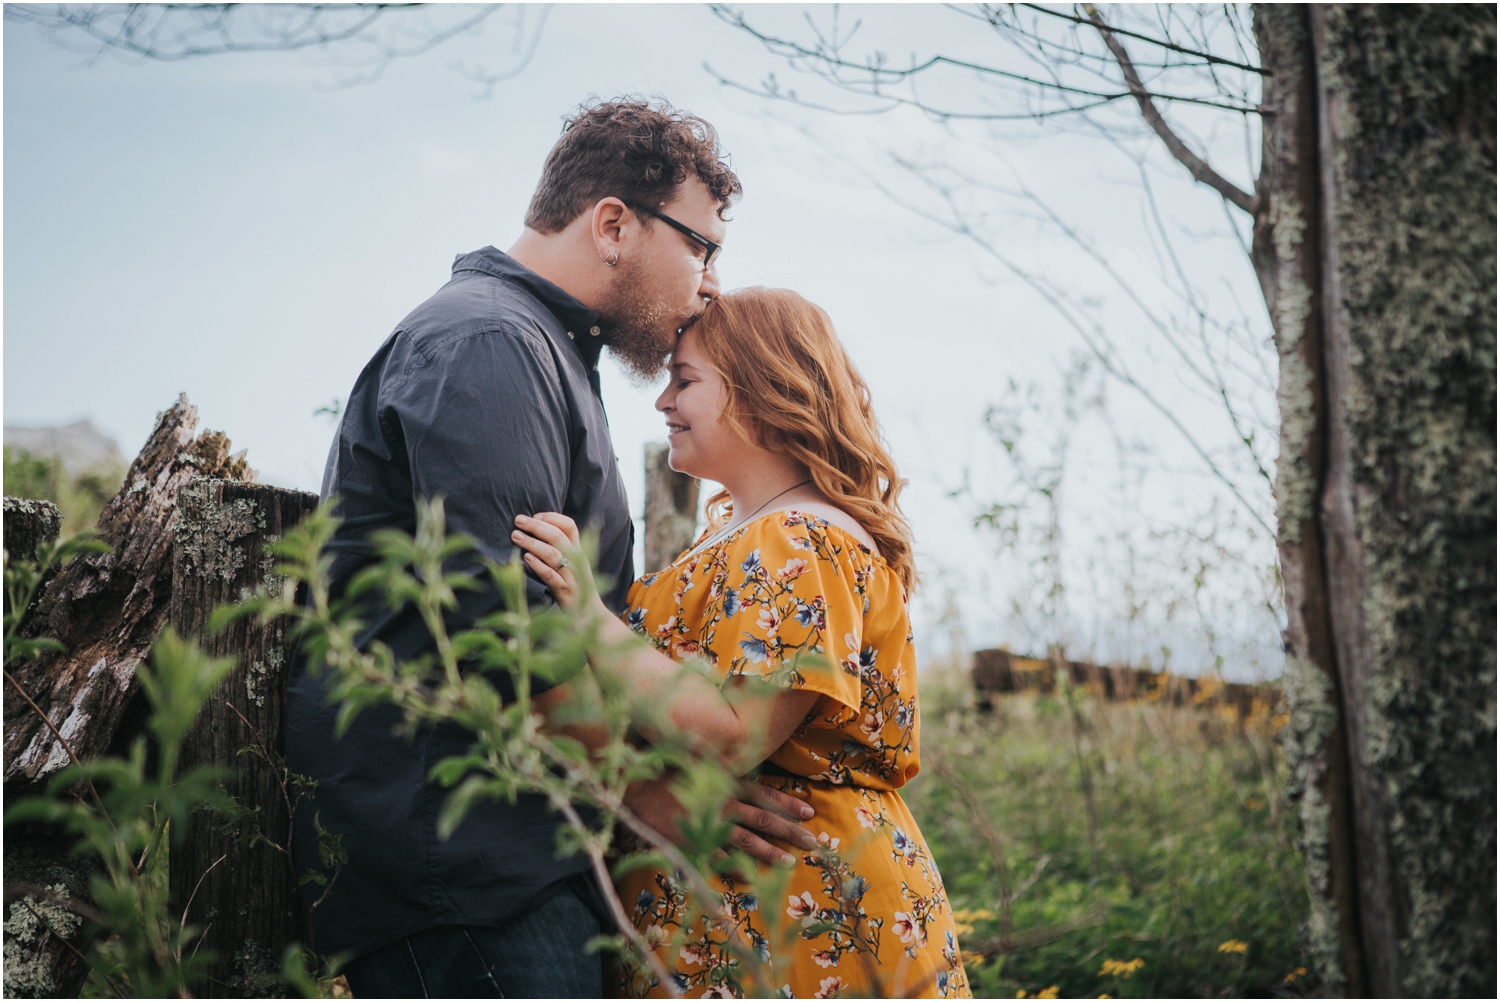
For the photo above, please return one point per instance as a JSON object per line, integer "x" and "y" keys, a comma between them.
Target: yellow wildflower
{"x": 1233, "y": 946}
{"x": 1121, "y": 968}
{"x": 964, "y": 919}
{"x": 1294, "y": 975}
{"x": 1047, "y": 993}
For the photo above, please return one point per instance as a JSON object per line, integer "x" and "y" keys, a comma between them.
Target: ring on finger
{"x": 562, "y": 562}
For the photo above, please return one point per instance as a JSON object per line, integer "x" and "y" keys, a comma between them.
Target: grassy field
{"x": 1144, "y": 849}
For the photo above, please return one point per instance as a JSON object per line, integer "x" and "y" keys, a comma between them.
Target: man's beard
{"x": 642, "y": 330}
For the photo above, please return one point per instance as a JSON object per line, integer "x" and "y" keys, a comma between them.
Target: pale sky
{"x": 237, "y": 229}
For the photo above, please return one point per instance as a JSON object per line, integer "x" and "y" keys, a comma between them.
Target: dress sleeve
{"x": 787, "y": 605}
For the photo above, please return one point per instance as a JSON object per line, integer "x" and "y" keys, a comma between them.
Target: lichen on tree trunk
{"x": 1287, "y": 255}
{"x": 233, "y": 878}
{"x": 1386, "y": 483}
{"x": 1411, "y": 119}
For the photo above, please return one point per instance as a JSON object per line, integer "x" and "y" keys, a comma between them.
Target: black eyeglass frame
{"x": 708, "y": 245}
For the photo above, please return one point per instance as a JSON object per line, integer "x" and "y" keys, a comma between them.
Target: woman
{"x": 802, "y": 578}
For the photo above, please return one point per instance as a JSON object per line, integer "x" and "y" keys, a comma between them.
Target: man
{"x": 488, "y": 395}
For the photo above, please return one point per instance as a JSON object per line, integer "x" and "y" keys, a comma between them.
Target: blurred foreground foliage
{"x": 125, "y": 812}
{"x": 1125, "y": 849}
{"x": 1147, "y": 848}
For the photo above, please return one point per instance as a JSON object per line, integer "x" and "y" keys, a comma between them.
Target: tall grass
{"x": 1140, "y": 849}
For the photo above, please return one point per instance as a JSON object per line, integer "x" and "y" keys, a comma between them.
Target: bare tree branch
{"x": 363, "y": 37}
{"x": 958, "y": 222}
{"x": 881, "y": 75}
{"x": 1196, "y": 166}
{"x": 1207, "y": 57}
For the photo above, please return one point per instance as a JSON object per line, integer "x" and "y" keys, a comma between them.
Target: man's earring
{"x": 612, "y": 261}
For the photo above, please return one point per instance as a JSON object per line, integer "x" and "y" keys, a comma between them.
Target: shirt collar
{"x": 581, "y": 323}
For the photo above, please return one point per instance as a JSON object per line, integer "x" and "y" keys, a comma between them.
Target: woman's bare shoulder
{"x": 835, "y": 515}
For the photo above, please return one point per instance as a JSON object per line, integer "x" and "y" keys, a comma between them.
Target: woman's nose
{"x": 664, "y": 400}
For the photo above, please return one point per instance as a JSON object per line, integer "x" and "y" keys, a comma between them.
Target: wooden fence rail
{"x": 996, "y": 672}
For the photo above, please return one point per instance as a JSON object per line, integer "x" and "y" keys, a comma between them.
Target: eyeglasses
{"x": 710, "y": 248}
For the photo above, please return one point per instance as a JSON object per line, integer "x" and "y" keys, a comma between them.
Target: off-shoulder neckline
{"x": 785, "y": 511}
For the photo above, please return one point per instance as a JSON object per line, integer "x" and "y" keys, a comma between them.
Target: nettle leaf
{"x": 452, "y": 769}
{"x": 573, "y": 749}
{"x": 558, "y": 670}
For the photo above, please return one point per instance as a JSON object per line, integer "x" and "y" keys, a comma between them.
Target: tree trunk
{"x": 235, "y": 882}
{"x": 28, "y": 524}
{"x": 40, "y": 937}
{"x": 1375, "y": 244}
{"x": 671, "y": 509}
{"x": 107, "y": 609}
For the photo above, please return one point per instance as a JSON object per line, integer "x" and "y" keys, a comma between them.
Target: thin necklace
{"x": 731, "y": 528}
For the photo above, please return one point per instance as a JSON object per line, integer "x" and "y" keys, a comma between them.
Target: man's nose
{"x": 708, "y": 287}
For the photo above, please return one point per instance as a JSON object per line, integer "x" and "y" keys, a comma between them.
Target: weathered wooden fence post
{"x": 671, "y": 509}
{"x": 241, "y": 894}
{"x": 28, "y": 524}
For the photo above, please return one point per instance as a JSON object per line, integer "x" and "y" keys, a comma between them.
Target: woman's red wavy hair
{"x": 793, "y": 389}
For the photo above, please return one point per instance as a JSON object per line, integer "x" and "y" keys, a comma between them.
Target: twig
{"x": 281, "y": 778}
{"x": 1042, "y": 935}
{"x": 1196, "y": 166}
{"x": 986, "y": 830}
{"x": 607, "y": 888}
{"x": 119, "y": 992}
{"x": 67, "y": 748}
{"x": 1086, "y": 777}
{"x": 48, "y": 721}
{"x": 1207, "y": 56}
{"x": 202, "y": 877}
{"x": 885, "y": 75}
{"x": 71, "y": 904}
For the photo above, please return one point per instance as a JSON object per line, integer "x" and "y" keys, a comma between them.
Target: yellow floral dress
{"x": 794, "y": 598}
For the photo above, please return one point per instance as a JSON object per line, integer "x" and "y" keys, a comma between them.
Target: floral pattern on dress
{"x": 796, "y": 600}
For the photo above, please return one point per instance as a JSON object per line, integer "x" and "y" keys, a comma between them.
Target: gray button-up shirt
{"x": 488, "y": 395}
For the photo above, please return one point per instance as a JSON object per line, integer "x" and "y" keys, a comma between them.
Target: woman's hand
{"x": 547, "y": 538}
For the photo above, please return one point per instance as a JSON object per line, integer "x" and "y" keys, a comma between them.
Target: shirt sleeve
{"x": 484, "y": 423}
{"x": 789, "y": 609}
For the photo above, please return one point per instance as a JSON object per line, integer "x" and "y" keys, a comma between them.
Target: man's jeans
{"x": 537, "y": 956}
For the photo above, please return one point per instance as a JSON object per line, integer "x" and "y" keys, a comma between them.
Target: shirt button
{"x": 594, "y": 331}
{"x": 570, "y": 334}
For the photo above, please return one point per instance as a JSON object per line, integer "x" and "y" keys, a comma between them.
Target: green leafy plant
{"x": 126, "y": 826}
{"x": 1191, "y": 885}
{"x": 125, "y": 811}
{"x": 583, "y": 756}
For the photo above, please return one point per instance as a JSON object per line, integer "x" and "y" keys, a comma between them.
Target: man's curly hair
{"x": 639, "y": 151}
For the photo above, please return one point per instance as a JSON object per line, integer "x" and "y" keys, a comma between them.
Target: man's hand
{"x": 760, "y": 811}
